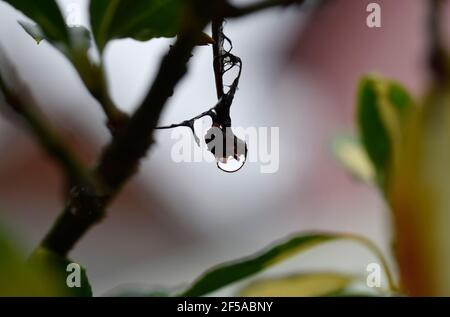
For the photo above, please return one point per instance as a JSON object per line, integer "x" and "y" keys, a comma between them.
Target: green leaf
{"x": 228, "y": 273}
{"x": 383, "y": 108}
{"x": 76, "y": 50}
{"x": 73, "y": 42}
{"x": 19, "y": 279}
{"x": 399, "y": 97}
{"x": 33, "y": 30}
{"x": 135, "y": 290}
{"x": 354, "y": 293}
{"x": 13, "y": 277}
{"x": 54, "y": 268}
{"x": 138, "y": 19}
{"x": 374, "y": 135}
{"x": 350, "y": 153}
{"x": 299, "y": 285}
{"x": 43, "y": 275}
{"x": 47, "y": 15}
{"x": 77, "y": 46}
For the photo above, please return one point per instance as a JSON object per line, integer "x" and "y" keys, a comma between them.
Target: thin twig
{"x": 217, "y": 35}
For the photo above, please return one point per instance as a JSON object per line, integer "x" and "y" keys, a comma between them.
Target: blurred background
{"x": 174, "y": 220}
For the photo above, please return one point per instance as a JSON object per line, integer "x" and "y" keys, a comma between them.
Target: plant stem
{"x": 217, "y": 26}
{"x": 120, "y": 159}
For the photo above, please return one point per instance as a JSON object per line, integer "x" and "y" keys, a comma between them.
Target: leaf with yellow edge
{"x": 228, "y": 273}
{"x": 382, "y": 111}
{"x": 299, "y": 285}
{"x": 350, "y": 153}
{"x": 33, "y": 30}
{"x": 17, "y": 278}
{"x": 14, "y": 278}
{"x": 43, "y": 275}
{"x": 53, "y": 269}
{"x": 47, "y": 15}
{"x": 419, "y": 196}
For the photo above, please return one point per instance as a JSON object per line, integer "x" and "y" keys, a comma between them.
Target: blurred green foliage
{"x": 44, "y": 274}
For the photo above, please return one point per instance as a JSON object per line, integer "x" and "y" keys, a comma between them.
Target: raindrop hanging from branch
{"x": 229, "y": 151}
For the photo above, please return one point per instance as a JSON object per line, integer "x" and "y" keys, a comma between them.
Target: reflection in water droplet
{"x": 231, "y": 165}
{"x": 231, "y": 158}
{"x": 201, "y": 127}
{"x": 229, "y": 151}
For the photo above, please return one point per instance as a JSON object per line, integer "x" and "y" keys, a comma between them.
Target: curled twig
{"x": 224, "y": 61}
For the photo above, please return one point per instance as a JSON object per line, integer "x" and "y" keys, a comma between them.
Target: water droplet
{"x": 230, "y": 151}
{"x": 200, "y": 129}
{"x": 231, "y": 165}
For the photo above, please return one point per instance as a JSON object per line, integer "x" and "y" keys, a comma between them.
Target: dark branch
{"x": 121, "y": 157}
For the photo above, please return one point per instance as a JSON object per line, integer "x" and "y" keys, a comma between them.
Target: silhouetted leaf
{"x": 33, "y": 30}
{"x": 78, "y": 45}
{"x": 47, "y": 15}
{"x": 73, "y": 42}
{"x": 54, "y": 267}
{"x": 138, "y": 19}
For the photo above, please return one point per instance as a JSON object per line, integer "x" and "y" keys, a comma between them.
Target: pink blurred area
{"x": 336, "y": 49}
{"x": 333, "y": 51}
{"x": 339, "y": 48}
